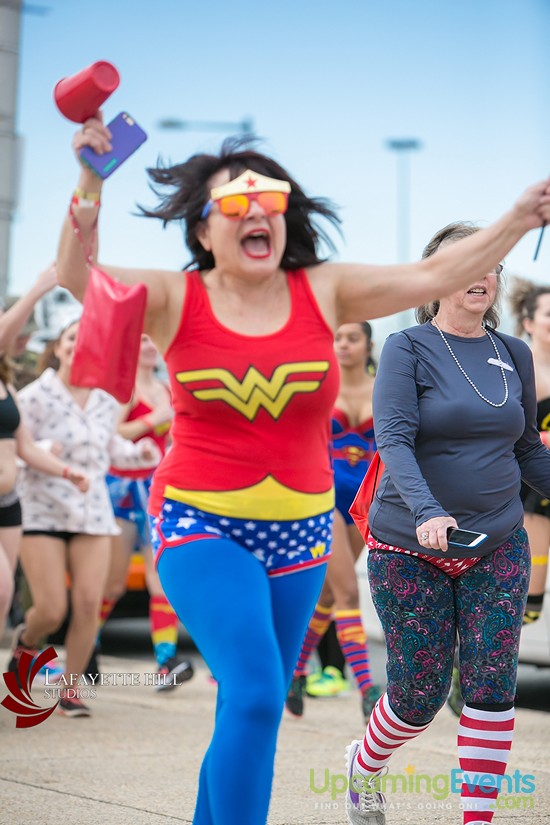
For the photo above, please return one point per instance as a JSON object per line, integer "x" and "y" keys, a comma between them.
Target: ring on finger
{"x": 424, "y": 536}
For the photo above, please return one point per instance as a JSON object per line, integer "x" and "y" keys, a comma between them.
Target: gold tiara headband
{"x": 249, "y": 182}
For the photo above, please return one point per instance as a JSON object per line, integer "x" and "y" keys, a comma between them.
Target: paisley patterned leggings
{"x": 422, "y": 610}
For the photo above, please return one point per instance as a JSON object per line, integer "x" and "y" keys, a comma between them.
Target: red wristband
{"x": 66, "y": 471}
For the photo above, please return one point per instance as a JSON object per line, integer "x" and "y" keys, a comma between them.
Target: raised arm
{"x": 15, "y": 318}
{"x": 71, "y": 264}
{"x": 375, "y": 291}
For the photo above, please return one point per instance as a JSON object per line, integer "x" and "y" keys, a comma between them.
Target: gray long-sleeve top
{"x": 448, "y": 452}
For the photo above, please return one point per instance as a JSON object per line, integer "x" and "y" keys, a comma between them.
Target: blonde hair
{"x": 449, "y": 234}
{"x": 7, "y": 368}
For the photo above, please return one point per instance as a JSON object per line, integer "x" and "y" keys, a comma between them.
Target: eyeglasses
{"x": 235, "y": 207}
{"x": 498, "y": 269}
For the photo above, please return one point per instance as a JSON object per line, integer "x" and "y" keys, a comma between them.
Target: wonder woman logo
{"x": 255, "y": 390}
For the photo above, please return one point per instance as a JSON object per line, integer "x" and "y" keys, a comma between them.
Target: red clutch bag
{"x": 109, "y": 335}
{"x": 359, "y": 510}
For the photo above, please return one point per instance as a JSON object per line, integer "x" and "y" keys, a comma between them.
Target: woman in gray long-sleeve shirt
{"x": 455, "y": 421}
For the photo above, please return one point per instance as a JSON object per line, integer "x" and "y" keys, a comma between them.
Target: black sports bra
{"x": 9, "y": 417}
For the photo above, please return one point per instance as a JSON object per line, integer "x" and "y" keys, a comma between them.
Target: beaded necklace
{"x": 465, "y": 374}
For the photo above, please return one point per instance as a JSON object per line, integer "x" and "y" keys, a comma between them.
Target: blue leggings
{"x": 249, "y": 629}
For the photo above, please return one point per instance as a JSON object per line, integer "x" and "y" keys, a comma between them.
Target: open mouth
{"x": 257, "y": 244}
{"x": 477, "y": 290}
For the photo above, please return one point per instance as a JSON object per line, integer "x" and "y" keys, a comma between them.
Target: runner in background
{"x": 67, "y": 529}
{"x": 531, "y": 307}
{"x": 148, "y": 414}
{"x": 352, "y": 447}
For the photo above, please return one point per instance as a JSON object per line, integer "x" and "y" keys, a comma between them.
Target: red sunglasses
{"x": 236, "y": 207}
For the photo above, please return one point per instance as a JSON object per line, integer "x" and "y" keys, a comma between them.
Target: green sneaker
{"x": 531, "y": 616}
{"x": 455, "y": 700}
{"x": 330, "y": 683}
{"x": 313, "y": 678}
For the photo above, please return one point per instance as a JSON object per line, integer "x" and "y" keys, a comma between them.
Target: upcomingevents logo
{"x": 19, "y": 685}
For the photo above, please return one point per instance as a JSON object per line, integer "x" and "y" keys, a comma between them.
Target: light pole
{"x": 245, "y": 126}
{"x": 403, "y": 148}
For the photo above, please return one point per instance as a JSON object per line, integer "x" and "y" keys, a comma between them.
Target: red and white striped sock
{"x": 385, "y": 733}
{"x": 484, "y": 742}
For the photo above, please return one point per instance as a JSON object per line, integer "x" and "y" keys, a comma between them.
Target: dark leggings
{"x": 249, "y": 629}
{"x": 422, "y": 610}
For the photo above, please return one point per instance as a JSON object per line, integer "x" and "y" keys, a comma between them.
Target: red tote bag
{"x": 359, "y": 510}
{"x": 109, "y": 336}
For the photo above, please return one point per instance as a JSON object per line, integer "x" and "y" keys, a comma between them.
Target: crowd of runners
{"x": 223, "y": 476}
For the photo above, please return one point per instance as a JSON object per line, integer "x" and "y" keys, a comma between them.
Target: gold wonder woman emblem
{"x": 255, "y": 390}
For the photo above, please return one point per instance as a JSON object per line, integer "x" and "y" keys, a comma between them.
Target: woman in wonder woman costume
{"x": 242, "y": 504}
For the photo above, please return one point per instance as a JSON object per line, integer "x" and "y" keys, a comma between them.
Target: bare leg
{"x": 538, "y": 530}
{"x": 89, "y": 558}
{"x": 9, "y": 548}
{"x": 122, "y": 547}
{"x": 44, "y": 566}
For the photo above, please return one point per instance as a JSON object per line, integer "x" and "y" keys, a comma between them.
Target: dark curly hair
{"x": 190, "y": 192}
{"x": 367, "y": 332}
{"x": 524, "y": 297}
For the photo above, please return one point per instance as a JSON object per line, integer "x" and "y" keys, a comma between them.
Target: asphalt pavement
{"x": 136, "y": 759}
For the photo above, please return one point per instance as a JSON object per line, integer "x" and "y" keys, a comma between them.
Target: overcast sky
{"x": 326, "y": 84}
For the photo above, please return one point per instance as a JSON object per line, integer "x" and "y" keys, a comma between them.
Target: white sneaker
{"x": 365, "y": 804}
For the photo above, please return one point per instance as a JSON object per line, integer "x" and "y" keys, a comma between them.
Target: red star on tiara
{"x": 251, "y": 182}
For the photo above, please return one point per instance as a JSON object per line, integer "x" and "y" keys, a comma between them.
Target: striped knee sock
{"x": 385, "y": 733}
{"x": 353, "y": 642}
{"x": 318, "y": 626}
{"x": 105, "y": 611}
{"x": 484, "y": 742}
{"x": 163, "y": 622}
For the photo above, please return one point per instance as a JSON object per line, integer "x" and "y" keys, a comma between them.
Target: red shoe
{"x": 73, "y": 707}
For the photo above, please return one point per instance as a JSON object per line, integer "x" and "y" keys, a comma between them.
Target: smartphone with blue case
{"x": 127, "y": 136}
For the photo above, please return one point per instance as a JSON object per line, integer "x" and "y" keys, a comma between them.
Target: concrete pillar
{"x": 10, "y": 17}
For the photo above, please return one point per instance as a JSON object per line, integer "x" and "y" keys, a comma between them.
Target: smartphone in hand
{"x": 464, "y": 538}
{"x": 127, "y": 136}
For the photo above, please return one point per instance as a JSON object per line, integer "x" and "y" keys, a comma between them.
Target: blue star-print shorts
{"x": 129, "y": 497}
{"x": 281, "y": 546}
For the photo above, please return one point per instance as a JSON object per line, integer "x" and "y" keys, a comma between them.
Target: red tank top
{"x": 158, "y": 434}
{"x": 251, "y": 430}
